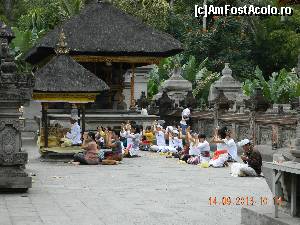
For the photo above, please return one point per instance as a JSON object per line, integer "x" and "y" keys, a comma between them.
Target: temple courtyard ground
{"x": 148, "y": 190}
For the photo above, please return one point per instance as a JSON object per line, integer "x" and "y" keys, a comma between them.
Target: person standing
{"x": 185, "y": 120}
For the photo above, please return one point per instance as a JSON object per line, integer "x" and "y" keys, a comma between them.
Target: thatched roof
{"x": 6, "y": 31}
{"x": 102, "y": 29}
{"x": 63, "y": 74}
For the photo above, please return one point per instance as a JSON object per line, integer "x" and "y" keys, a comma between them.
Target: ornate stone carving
{"x": 176, "y": 87}
{"x": 14, "y": 123}
{"x": 222, "y": 102}
{"x": 243, "y": 132}
{"x": 189, "y": 101}
{"x": 7, "y": 141}
{"x": 258, "y": 102}
{"x": 165, "y": 104}
{"x": 231, "y": 87}
{"x": 15, "y": 90}
{"x": 265, "y": 135}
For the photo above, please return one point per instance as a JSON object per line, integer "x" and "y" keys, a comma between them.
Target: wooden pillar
{"x": 79, "y": 112}
{"x": 45, "y": 123}
{"x": 83, "y": 118}
{"x": 132, "y": 87}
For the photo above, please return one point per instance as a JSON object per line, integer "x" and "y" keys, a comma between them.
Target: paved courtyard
{"x": 146, "y": 190}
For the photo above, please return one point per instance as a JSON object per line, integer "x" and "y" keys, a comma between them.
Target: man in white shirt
{"x": 185, "y": 119}
{"x": 74, "y": 136}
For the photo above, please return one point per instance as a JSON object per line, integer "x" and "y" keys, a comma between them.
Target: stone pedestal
{"x": 12, "y": 158}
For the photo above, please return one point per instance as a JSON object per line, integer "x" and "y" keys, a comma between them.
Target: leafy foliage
{"x": 69, "y": 8}
{"x": 280, "y": 88}
{"x": 205, "y": 79}
{"x": 272, "y": 43}
{"x": 196, "y": 73}
{"x": 153, "y": 12}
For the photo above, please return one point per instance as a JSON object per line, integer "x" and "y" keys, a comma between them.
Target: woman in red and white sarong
{"x": 221, "y": 154}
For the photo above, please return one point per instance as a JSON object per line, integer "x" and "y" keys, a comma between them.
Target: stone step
{"x": 264, "y": 216}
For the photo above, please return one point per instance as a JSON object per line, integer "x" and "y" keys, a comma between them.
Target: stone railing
{"x": 273, "y": 129}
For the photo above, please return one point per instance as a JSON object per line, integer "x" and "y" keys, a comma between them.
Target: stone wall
{"x": 278, "y": 130}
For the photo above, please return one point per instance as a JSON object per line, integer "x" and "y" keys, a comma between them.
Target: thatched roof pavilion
{"x": 62, "y": 79}
{"x": 107, "y": 42}
{"x": 101, "y": 29}
{"x": 65, "y": 76}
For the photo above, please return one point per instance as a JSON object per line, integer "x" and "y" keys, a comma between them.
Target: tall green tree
{"x": 153, "y": 12}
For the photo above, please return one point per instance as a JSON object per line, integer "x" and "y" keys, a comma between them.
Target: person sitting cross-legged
{"x": 160, "y": 136}
{"x": 220, "y": 156}
{"x": 90, "y": 156}
{"x": 74, "y": 136}
{"x": 113, "y": 142}
{"x": 175, "y": 141}
{"x": 252, "y": 159}
{"x": 133, "y": 149}
{"x": 194, "y": 152}
{"x": 204, "y": 148}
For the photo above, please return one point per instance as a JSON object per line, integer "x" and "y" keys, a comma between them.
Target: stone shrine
{"x": 231, "y": 87}
{"x": 176, "y": 87}
{"x": 15, "y": 91}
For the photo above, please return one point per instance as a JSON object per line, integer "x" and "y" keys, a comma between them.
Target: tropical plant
{"x": 280, "y": 88}
{"x": 205, "y": 79}
{"x": 153, "y": 12}
{"x": 196, "y": 73}
{"x": 70, "y": 7}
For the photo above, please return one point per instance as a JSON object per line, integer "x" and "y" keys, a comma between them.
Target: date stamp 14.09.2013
{"x": 244, "y": 201}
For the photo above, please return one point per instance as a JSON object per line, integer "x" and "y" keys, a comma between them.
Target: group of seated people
{"x": 189, "y": 147}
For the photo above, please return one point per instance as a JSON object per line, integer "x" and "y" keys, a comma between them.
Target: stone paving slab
{"x": 146, "y": 190}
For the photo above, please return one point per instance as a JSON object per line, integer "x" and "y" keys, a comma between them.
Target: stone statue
{"x": 222, "y": 102}
{"x": 143, "y": 102}
{"x": 190, "y": 101}
{"x": 119, "y": 103}
{"x": 165, "y": 104}
{"x": 258, "y": 102}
